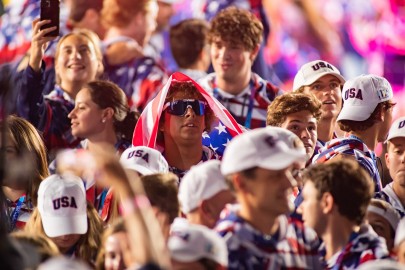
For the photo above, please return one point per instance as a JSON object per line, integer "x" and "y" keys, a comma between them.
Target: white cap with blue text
{"x": 144, "y": 160}
{"x": 62, "y": 205}
{"x": 361, "y": 96}
{"x": 271, "y": 148}
{"x": 312, "y": 71}
{"x": 397, "y": 129}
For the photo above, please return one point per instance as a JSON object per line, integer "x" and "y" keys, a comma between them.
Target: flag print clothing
{"x": 249, "y": 108}
{"x": 362, "y": 247}
{"x": 49, "y": 114}
{"x": 355, "y": 147}
{"x": 19, "y": 212}
{"x": 293, "y": 246}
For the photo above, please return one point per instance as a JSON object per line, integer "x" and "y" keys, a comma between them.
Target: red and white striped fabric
{"x": 146, "y": 129}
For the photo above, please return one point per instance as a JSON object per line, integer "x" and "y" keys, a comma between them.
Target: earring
{"x": 103, "y": 121}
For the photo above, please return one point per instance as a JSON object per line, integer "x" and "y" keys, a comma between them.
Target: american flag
{"x": 146, "y": 130}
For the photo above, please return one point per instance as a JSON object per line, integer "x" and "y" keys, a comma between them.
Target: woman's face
{"x": 114, "y": 257}
{"x": 76, "y": 61}
{"x": 87, "y": 117}
{"x": 66, "y": 242}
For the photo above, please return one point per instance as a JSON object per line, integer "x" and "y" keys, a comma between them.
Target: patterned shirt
{"x": 49, "y": 114}
{"x": 388, "y": 195}
{"x": 293, "y": 246}
{"x": 249, "y": 108}
{"x": 355, "y": 147}
{"x": 140, "y": 78}
{"x": 363, "y": 246}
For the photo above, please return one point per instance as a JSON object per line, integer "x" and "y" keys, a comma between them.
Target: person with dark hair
{"x": 300, "y": 114}
{"x": 86, "y": 14}
{"x": 258, "y": 231}
{"x": 190, "y": 48}
{"x": 366, "y": 116}
{"x": 102, "y": 117}
{"x": 235, "y": 37}
{"x": 335, "y": 200}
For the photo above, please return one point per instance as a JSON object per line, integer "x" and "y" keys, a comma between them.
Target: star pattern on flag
{"x": 205, "y": 135}
{"x": 213, "y": 148}
{"x": 221, "y": 128}
{"x": 226, "y": 144}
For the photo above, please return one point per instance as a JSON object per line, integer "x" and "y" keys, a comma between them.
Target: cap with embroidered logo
{"x": 271, "y": 148}
{"x": 144, "y": 160}
{"x": 397, "y": 129}
{"x": 312, "y": 71}
{"x": 361, "y": 95}
{"x": 62, "y": 205}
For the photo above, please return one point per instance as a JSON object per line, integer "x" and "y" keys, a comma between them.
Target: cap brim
{"x": 315, "y": 77}
{"x": 355, "y": 113}
{"x": 58, "y": 226}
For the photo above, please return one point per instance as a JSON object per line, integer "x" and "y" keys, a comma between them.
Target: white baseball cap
{"x": 361, "y": 96}
{"x": 144, "y": 160}
{"x": 400, "y": 232}
{"x": 397, "y": 129}
{"x": 63, "y": 262}
{"x": 201, "y": 182}
{"x": 312, "y": 71}
{"x": 62, "y": 205}
{"x": 192, "y": 242}
{"x": 272, "y": 148}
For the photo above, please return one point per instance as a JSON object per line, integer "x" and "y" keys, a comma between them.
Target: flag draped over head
{"x": 147, "y": 128}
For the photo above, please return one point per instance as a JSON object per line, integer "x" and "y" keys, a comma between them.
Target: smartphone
{"x": 50, "y": 11}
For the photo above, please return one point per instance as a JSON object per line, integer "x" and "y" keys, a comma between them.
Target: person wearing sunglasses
{"x": 185, "y": 116}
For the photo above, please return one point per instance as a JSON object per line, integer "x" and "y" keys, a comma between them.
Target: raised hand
{"x": 39, "y": 42}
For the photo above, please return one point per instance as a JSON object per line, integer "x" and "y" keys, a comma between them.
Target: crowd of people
{"x": 113, "y": 158}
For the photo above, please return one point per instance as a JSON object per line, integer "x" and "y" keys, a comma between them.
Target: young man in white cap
{"x": 335, "y": 198}
{"x": 394, "y": 192}
{"x": 323, "y": 80}
{"x": 235, "y": 37}
{"x": 366, "y": 116}
{"x": 196, "y": 247}
{"x": 258, "y": 233}
{"x": 203, "y": 193}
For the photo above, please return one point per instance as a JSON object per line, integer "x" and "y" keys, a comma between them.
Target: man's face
{"x": 395, "y": 160}
{"x": 231, "y": 60}
{"x": 268, "y": 191}
{"x": 304, "y": 125}
{"x": 186, "y": 129}
{"x": 311, "y": 208}
{"x": 327, "y": 90}
{"x": 217, "y": 203}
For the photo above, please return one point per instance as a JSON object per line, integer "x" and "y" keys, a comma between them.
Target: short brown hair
{"x": 349, "y": 184}
{"x": 289, "y": 103}
{"x": 187, "y": 39}
{"x": 161, "y": 190}
{"x": 78, "y": 8}
{"x": 237, "y": 26}
{"x": 120, "y": 12}
{"x": 350, "y": 125}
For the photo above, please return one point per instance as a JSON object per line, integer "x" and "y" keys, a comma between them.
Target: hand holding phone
{"x": 50, "y": 11}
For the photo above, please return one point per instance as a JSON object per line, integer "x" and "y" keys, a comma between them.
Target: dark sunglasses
{"x": 179, "y": 107}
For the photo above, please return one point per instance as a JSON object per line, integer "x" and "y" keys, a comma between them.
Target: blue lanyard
{"x": 16, "y": 212}
{"x": 252, "y": 87}
{"x": 102, "y": 197}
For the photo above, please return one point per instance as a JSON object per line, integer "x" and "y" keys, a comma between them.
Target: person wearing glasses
{"x": 186, "y": 115}
{"x": 366, "y": 116}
